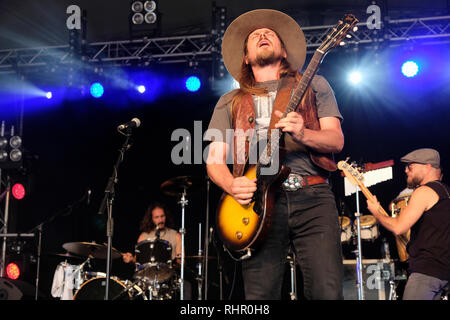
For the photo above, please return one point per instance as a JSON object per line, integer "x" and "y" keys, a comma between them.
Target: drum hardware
{"x": 293, "y": 272}
{"x": 180, "y": 187}
{"x": 130, "y": 288}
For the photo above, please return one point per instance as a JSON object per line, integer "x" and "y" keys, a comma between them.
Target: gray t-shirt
{"x": 298, "y": 160}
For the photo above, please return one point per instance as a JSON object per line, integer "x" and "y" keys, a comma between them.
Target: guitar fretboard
{"x": 297, "y": 95}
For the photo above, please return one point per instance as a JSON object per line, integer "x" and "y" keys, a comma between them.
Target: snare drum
{"x": 369, "y": 227}
{"x": 94, "y": 289}
{"x": 346, "y": 229}
{"x": 154, "y": 260}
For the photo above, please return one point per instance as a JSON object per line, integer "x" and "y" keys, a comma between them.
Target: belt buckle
{"x": 293, "y": 182}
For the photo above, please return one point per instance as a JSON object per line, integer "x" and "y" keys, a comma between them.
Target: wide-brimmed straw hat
{"x": 287, "y": 29}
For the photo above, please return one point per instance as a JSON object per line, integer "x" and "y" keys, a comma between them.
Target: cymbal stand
{"x": 107, "y": 203}
{"x": 360, "y": 284}
{"x": 200, "y": 263}
{"x": 207, "y": 240}
{"x": 183, "y": 203}
{"x": 292, "y": 265}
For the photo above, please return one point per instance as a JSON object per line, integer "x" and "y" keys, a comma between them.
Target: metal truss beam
{"x": 182, "y": 49}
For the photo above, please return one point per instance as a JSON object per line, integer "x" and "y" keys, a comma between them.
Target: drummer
{"x": 153, "y": 225}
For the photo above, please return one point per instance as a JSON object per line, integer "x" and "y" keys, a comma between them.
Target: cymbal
{"x": 65, "y": 255}
{"x": 176, "y": 186}
{"x": 199, "y": 257}
{"x": 91, "y": 250}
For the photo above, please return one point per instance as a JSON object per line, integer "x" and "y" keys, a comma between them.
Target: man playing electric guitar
{"x": 261, "y": 48}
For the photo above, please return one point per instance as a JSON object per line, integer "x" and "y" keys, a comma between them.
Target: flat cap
{"x": 423, "y": 156}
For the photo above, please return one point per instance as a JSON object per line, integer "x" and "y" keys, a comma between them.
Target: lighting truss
{"x": 182, "y": 49}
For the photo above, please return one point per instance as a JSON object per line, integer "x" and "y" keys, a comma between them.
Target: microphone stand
{"x": 207, "y": 238}
{"x": 360, "y": 281}
{"x": 107, "y": 202}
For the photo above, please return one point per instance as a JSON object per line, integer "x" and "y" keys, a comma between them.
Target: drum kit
{"x": 156, "y": 277}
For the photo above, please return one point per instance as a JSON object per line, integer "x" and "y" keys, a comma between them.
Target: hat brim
{"x": 287, "y": 29}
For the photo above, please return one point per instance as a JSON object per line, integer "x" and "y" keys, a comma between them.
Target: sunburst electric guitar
{"x": 243, "y": 227}
{"x": 356, "y": 178}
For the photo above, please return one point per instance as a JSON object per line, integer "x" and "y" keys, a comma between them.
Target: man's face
{"x": 264, "y": 48}
{"x": 415, "y": 173}
{"x": 159, "y": 217}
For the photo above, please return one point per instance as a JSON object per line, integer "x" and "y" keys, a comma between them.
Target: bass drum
{"x": 94, "y": 289}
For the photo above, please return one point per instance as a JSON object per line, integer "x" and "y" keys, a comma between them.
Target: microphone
{"x": 134, "y": 123}
{"x": 88, "y": 199}
{"x": 158, "y": 231}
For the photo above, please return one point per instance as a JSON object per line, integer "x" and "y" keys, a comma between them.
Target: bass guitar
{"x": 356, "y": 178}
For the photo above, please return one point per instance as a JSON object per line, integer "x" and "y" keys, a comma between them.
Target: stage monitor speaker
{"x": 16, "y": 290}
{"x": 376, "y": 274}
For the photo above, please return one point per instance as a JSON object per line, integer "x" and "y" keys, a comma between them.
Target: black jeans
{"x": 308, "y": 219}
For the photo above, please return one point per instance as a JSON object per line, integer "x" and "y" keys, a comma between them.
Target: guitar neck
{"x": 370, "y": 197}
{"x": 300, "y": 90}
{"x": 296, "y": 97}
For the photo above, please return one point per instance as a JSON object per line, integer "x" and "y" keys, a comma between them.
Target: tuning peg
{"x": 348, "y": 36}
{"x": 342, "y": 43}
{"x": 355, "y": 28}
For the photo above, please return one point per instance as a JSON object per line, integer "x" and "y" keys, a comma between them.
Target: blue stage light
{"x": 141, "y": 89}
{"x": 410, "y": 69}
{"x": 355, "y": 77}
{"x": 49, "y": 95}
{"x": 193, "y": 83}
{"x": 96, "y": 90}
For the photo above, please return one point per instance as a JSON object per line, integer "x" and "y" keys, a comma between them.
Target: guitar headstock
{"x": 335, "y": 37}
{"x": 352, "y": 172}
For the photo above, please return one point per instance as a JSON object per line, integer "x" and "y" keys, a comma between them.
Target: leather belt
{"x": 296, "y": 181}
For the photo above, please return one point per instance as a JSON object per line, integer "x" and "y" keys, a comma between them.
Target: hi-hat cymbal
{"x": 91, "y": 250}
{"x": 176, "y": 186}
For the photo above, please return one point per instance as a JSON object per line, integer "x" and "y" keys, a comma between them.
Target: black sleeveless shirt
{"x": 429, "y": 245}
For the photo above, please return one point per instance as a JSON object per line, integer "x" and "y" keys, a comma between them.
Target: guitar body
{"x": 240, "y": 227}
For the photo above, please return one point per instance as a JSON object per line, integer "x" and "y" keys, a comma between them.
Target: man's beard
{"x": 413, "y": 182}
{"x": 265, "y": 58}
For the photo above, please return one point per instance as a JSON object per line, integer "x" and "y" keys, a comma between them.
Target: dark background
{"x": 72, "y": 144}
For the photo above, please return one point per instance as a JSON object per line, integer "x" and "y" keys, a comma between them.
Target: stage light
{"x": 18, "y": 191}
{"x": 49, "y": 95}
{"x": 141, "y": 89}
{"x": 10, "y": 149}
{"x": 137, "y": 6}
{"x": 13, "y": 271}
{"x": 144, "y": 18}
{"x": 355, "y": 77}
{"x": 410, "y": 69}
{"x": 96, "y": 90}
{"x": 193, "y": 83}
{"x": 138, "y": 18}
